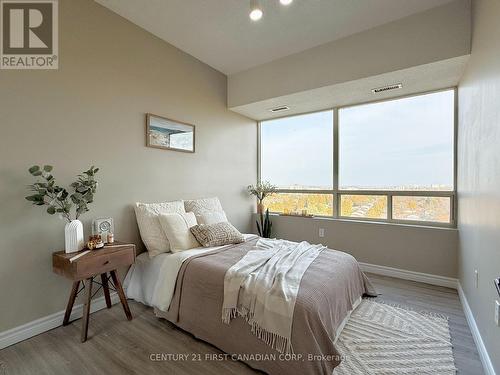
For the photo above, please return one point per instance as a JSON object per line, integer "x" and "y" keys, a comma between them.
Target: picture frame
{"x": 167, "y": 134}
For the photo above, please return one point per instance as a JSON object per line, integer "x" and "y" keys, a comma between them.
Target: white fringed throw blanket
{"x": 262, "y": 288}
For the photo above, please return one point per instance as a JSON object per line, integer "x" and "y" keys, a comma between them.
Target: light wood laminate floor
{"x": 117, "y": 346}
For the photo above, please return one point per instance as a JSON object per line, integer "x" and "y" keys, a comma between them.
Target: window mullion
{"x": 389, "y": 207}
{"x": 336, "y": 197}
{"x": 259, "y": 151}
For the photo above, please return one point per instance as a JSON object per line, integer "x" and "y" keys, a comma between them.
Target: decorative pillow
{"x": 149, "y": 226}
{"x": 217, "y": 234}
{"x": 199, "y": 206}
{"x": 176, "y": 227}
{"x": 211, "y": 217}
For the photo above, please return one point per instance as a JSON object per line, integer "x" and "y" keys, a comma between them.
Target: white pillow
{"x": 199, "y": 206}
{"x": 211, "y": 217}
{"x": 149, "y": 226}
{"x": 176, "y": 227}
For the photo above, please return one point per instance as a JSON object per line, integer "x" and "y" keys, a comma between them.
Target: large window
{"x": 388, "y": 161}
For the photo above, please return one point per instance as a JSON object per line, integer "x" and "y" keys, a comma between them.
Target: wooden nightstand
{"x": 89, "y": 266}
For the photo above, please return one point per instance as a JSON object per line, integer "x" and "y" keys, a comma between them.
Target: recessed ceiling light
{"x": 286, "y": 2}
{"x": 255, "y": 10}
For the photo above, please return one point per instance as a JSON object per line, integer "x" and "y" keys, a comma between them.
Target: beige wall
{"x": 400, "y": 246}
{"x": 91, "y": 111}
{"x": 479, "y": 172}
{"x": 434, "y": 35}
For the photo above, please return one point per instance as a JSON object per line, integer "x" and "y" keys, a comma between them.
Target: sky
{"x": 382, "y": 145}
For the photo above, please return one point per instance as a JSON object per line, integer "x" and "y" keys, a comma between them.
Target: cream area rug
{"x": 381, "y": 338}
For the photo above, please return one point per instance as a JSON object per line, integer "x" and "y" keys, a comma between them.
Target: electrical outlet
{"x": 497, "y": 313}
{"x": 321, "y": 232}
{"x": 476, "y": 278}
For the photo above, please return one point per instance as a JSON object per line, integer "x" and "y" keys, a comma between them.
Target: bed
{"x": 187, "y": 288}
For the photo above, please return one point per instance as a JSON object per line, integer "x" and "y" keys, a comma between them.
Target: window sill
{"x": 367, "y": 222}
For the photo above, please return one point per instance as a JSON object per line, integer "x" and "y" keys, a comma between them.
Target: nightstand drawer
{"x": 95, "y": 262}
{"x": 94, "y": 265}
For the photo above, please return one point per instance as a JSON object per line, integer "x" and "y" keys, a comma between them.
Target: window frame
{"x": 336, "y": 193}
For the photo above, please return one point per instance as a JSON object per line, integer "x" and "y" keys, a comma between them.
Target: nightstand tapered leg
{"x": 105, "y": 288}
{"x": 71, "y": 301}
{"x": 119, "y": 290}
{"x": 86, "y": 309}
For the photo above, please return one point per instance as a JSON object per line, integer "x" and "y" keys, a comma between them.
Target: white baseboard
{"x": 17, "y": 334}
{"x": 481, "y": 348}
{"x": 427, "y": 278}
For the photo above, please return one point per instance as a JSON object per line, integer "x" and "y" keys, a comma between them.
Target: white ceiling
{"x": 220, "y": 33}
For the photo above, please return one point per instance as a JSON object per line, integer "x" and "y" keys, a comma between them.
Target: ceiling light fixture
{"x": 255, "y": 10}
{"x": 286, "y": 2}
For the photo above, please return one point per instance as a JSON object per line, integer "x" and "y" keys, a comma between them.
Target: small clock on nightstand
{"x": 102, "y": 227}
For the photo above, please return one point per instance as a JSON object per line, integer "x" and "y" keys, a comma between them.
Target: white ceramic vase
{"x": 73, "y": 236}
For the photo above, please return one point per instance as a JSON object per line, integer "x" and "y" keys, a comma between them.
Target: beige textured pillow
{"x": 217, "y": 234}
{"x": 150, "y": 229}
{"x": 211, "y": 217}
{"x": 176, "y": 227}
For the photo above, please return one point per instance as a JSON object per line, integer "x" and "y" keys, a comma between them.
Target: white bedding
{"x": 151, "y": 281}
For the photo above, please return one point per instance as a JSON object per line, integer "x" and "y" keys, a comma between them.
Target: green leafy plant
{"x": 265, "y": 226}
{"x": 58, "y": 199}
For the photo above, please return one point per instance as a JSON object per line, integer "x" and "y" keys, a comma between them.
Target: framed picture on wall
{"x": 167, "y": 134}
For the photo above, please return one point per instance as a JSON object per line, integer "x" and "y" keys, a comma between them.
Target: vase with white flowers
{"x": 261, "y": 191}
{"x": 45, "y": 192}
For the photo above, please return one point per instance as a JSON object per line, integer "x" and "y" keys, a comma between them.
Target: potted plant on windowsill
{"x": 60, "y": 201}
{"x": 261, "y": 191}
